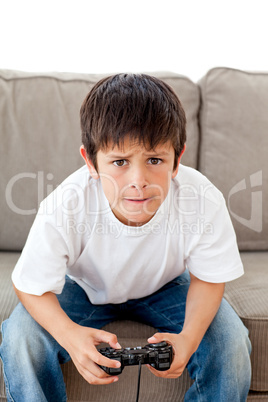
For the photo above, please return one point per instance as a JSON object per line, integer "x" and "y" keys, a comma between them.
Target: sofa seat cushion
{"x": 233, "y": 150}
{"x": 248, "y": 296}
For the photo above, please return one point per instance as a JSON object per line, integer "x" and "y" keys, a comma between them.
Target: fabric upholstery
{"x": 248, "y": 296}
{"x": 233, "y": 150}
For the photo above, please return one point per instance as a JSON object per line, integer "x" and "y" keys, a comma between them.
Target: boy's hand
{"x": 81, "y": 343}
{"x": 182, "y": 351}
{"x": 202, "y": 304}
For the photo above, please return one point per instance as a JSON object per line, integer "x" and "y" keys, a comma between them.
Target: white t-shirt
{"x": 76, "y": 233}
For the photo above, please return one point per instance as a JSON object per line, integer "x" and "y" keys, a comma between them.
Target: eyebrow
{"x": 157, "y": 153}
{"x": 126, "y": 156}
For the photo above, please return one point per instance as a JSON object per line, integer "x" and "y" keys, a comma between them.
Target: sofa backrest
{"x": 234, "y": 148}
{"x": 40, "y": 139}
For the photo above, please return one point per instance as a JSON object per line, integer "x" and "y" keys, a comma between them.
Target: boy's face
{"x": 135, "y": 180}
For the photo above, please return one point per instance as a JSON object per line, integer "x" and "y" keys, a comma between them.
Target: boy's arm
{"x": 80, "y": 342}
{"x": 202, "y": 304}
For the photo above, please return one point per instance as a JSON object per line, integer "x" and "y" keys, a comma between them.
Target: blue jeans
{"x": 220, "y": 366}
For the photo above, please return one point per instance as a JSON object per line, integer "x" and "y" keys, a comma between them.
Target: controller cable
{"x": 139, "y": 379}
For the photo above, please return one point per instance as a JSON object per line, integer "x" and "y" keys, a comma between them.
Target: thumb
{"x": 156, "y": 338}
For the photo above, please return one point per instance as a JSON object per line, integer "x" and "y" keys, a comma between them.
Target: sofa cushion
{"x": 249, "y": 297}
{"x": 234, "y": 144}
{"x": 40, "y": 139}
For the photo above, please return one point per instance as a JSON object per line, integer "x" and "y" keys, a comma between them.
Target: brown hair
{"x": 138, "y": 105}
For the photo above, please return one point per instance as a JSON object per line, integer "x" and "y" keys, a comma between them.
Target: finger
{"x": 157, "y": 373}
{"x": 164, "y": 374}
{"x": 101, "y": 360}
{"x": 95, "y": 370}
{"x": 108, "y": 337}
{"x": 153, "y": 371}
{"x": 93, "y": 379}
{"x": 91, "y": 372}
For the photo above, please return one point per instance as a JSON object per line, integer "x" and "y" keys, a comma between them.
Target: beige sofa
{"x": 227, "y": 114}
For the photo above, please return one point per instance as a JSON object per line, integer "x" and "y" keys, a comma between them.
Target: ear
{"x": 93, "y": 172}
{"x": 175, "y": 172}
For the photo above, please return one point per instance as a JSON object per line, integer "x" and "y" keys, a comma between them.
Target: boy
{"x": 123, "y": 229}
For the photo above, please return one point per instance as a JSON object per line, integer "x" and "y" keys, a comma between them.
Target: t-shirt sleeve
{"x": 213, "y": 254}
{"x": 42, "y": 265}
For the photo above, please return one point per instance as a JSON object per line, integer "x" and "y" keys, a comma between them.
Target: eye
{"x": 155, "y": 161}
{"x": 120, "y": 163}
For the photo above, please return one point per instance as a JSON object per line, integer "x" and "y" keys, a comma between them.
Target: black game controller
{"x": 158, "y": 355}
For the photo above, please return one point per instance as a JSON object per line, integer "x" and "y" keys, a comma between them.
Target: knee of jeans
{"x": 21, "y": 334}
{"x": 233, "y": 340}
{"x": 237, "y": 360}
{"x": 239, "y": 346}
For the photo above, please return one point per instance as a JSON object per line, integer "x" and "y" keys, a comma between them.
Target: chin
{"x": 139, "y": 221}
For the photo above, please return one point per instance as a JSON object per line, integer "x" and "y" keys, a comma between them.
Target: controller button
{"x": 164, "y": 356}
{"x": 164, "y": 365}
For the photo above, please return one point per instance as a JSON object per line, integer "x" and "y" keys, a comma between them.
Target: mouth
{"x": 137, "y": 200}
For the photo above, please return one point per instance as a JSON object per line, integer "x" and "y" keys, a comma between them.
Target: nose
{"x": 138, "y": 177}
